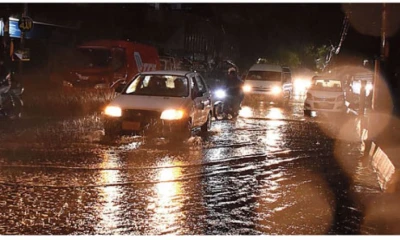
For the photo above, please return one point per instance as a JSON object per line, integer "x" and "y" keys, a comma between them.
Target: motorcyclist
{"x": 234, "y": 89}
{"x": 5, "y": 79}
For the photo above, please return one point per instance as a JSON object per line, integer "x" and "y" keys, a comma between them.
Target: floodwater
{"x": 272, "y": 172}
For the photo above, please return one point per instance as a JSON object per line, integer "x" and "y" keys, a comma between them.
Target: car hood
{"x": 325, "y": 94}
{"x": 262, "y": 84}
{"x": 153, "y": 103}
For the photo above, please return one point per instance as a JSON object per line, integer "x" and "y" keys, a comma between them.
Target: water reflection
{"x": 108, "y": 210}
{"x": 246, "y": 112}
{"x": 165, "y": 205}
{"x": 275, "y": 113}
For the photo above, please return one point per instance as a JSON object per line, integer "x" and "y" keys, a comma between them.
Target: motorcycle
{"x": 225, "y": 106}
{"x": 11, "y": 103}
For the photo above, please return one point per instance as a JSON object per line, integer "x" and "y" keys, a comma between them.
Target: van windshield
{"x": 86, "y": 57}
{"x": 264, "y": 76}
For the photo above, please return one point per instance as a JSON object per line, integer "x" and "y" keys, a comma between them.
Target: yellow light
{"x": 276, "y": 90}
{"x": 172, "y": 114}
{"x": 247, "y": 88}
{"x": 113, "y": 111}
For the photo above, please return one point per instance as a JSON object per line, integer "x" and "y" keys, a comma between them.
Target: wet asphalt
{"x": 271, "y": 172}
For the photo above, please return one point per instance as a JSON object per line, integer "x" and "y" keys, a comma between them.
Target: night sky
{"x": 260, "y": 28}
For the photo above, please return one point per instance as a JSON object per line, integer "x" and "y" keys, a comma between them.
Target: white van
{"x": 268, "y": 80}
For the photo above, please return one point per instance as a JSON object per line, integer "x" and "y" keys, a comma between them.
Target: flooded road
{"x": 272, "y": 171}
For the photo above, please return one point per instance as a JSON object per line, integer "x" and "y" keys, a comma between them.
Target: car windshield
{"x": 327, "y": 85}
{"x": 159, "y": 85}
{"x": 99, "y": 58}
{"x": 264, "y": 76}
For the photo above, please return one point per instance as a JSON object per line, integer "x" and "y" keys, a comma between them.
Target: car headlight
{"x": 113, "y": 111}
{"x": 247, "y": 88}
{"x": 276, "y": 90}
{"x": 220, "y": 94}
{"x": 309, "y": 96}
{"x": 172, "y": 114}
{"x": 340, "y": 98}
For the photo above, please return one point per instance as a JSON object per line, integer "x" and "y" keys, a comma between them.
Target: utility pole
{"x": 381, "y": 99}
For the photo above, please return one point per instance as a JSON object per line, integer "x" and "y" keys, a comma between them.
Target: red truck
{"x": 101, "y": 63}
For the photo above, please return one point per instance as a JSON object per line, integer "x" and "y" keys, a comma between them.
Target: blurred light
{"x": 220, "y": 94}
{"x": 113, "y": 111}
{"x": 313, "y": 113}
{"x": 246, "y": 112}
{"x": 301, "y": 85}
{"x": 276, "y": 90}
{"x": 247, "y": 88}
{"x": 275, "y": 113}
{"x": 172, "y": 114}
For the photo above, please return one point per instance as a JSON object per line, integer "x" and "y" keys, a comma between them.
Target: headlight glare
{"x": 276, "y": 90}
{"x": 172, "y": 114}
{"x": 220, "y": 94}
{"x": 113, "y": 111}
{"x": 247, "y": 88}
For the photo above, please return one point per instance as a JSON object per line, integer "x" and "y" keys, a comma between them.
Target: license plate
{"x": 130, "y": 125}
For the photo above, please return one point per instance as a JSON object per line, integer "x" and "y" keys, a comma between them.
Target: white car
{"x": 325, "y": 95}
{"x": 164, "y": 101}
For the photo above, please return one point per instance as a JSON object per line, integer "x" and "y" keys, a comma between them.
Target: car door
{"x": 205, "y": 98}
{"x": 197, "y": 106}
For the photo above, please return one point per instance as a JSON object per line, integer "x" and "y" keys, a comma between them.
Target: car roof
{"x": 168, "y": 72}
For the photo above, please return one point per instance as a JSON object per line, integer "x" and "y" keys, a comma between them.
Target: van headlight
{"x": 276, "y": 90}
{"x": 247, "y": 88}
{"x": 113, "y": 111}
{"x": 172, "y": 114}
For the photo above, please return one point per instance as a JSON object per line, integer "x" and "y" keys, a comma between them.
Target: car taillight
{"x": 309, "y": 96}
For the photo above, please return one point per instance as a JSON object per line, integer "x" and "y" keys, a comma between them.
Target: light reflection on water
{"x": 108, "y": 210}
{"x": 165, "y": 206}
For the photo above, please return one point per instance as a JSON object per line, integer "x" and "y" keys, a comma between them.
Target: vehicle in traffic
{"x": 165, "y": 102}
{"x": 102, "y": 63}
{"x": 326, "y": 94}
{"x": 10, "y": 99}
{"x": 269, "y": 81}
{"x": 225, "y": 106}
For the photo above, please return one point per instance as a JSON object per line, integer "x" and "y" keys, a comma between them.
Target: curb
{"x": 387, "y": 170}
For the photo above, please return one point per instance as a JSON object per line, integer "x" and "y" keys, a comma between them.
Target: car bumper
{"x": 322, "y": 106}
{"x": 151, "y": 125}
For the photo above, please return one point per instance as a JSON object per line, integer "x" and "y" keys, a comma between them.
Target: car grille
{"x": 261, "y": 89}
{"x": 324, "y": 99}
{"x": 143, "y": 116}
{"x": 324, "y": 105}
